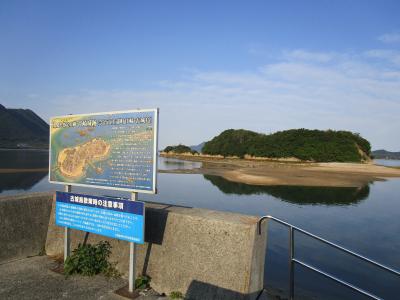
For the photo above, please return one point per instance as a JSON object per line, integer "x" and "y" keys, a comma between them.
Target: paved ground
{"x": 32, "y": 278}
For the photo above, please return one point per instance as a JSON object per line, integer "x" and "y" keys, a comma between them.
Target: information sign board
{"x": 115, "y": 218}
{"x": 114, "y": 150}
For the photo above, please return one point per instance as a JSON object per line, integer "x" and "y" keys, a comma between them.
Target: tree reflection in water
{"x": 304, "y": 195}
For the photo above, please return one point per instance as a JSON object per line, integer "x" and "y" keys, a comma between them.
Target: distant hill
{"x": 383, "y": 154}
{"x": 303, "y": 144}
{"x": 198, "y": 147}
{"x": 22, "y": 128}
{"x": 179, "y": 149}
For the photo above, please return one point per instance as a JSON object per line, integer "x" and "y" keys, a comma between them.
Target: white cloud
{"x": 301, "y": 54}
{"x": 393, "y": 37}
{"x": 357, "y": 92}
{"x": 392, "y": 56}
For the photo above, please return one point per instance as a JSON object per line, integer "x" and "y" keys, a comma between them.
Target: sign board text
{"x": 115, "y": 218}
{"x": 115, "y": 150}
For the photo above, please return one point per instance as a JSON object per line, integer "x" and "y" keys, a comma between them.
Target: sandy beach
{"x": 258, "y": 172}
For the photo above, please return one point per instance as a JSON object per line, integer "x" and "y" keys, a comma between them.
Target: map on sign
{"x": 116, "y": 150}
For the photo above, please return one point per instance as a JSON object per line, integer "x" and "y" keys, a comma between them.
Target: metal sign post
{"x": 132, "y": 257}
{"x": 67, "y": 231}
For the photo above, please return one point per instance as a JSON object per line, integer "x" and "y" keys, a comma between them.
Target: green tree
{"x": 304, "y": 144}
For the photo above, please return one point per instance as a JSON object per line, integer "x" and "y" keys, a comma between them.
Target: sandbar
{"x": 256, "y": 172}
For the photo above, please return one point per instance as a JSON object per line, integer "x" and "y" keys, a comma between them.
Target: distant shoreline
{"x": 268, "y": 172}
{"x": 24, "y": 170}
{"x": 24, "y": 149}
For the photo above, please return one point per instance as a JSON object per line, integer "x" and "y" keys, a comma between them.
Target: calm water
{"x": 366, "y": 220}
{"x": 387, "y": 162}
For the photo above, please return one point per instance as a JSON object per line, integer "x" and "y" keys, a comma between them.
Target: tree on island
{"x": 179, "y": 149}
{"x": 303, "y": 144}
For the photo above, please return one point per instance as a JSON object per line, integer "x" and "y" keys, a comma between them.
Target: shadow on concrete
{"x": 200, "y": 290}
{"x": 156, "y": 221}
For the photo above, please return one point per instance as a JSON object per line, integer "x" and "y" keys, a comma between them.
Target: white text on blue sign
{"x": 115, "y": 218}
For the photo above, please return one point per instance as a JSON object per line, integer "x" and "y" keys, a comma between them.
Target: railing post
{"x": 291, "y": 263}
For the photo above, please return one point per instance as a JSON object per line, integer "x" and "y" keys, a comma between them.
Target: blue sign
{"x": 115, "y": 218}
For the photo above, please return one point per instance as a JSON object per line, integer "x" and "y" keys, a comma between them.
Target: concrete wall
{"x": 23, "y": 225}
{"x": 201, "y": 253}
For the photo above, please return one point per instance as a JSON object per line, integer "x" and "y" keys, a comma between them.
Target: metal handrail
{"x": 293, "y": 260}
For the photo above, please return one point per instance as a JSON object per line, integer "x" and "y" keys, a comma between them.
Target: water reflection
{"x": 295, "y": 194}
{"x": 24, "y": 159}
{"x": 387, "y": 162}
{"x": 369, "y": 228}
{"x": 177, "y": 164}
{"x": 20, "y": 181}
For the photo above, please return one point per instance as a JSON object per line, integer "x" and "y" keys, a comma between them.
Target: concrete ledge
{"x": 23, "y": 225}
{"x": 201, "y": 253}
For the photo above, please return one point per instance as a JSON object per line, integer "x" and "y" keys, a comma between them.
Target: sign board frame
{"x": 155, "y": 151}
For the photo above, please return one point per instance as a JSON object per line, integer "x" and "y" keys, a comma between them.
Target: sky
{"x": 209, "y": 65}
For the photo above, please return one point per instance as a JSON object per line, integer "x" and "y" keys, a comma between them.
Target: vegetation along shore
{"x": 293, "y": 157}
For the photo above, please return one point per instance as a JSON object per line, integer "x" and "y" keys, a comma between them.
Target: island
{"x": 295, "y": 144}
{"x": 299, "y": 157}
{"x": 179, "y": 149}
{"x": 73, "y": 162}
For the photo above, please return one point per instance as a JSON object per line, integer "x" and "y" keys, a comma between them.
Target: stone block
{"x": 202, "y": 253}
{"x": 23, "y": 225}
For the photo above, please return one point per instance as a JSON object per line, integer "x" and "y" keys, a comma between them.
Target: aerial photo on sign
{"x": 115, "y": 150}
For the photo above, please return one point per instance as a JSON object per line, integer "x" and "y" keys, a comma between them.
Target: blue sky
{"x": 209, "y": 65}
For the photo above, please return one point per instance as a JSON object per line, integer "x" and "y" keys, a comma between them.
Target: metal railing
{"x": 293, "y": 260}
